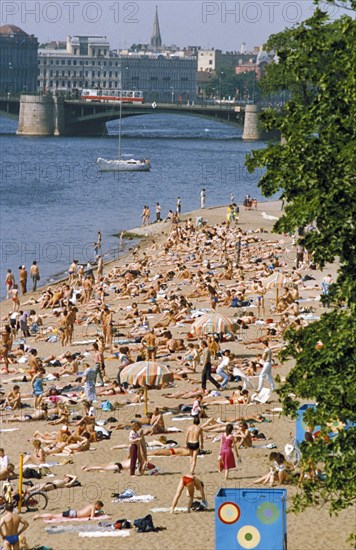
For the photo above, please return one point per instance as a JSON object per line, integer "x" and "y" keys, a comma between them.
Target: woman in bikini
{"x": 243, "y": 435}
{"x": 172, "y": 451}
{"x": 6, "y": 345}
{"x": 191, "y": 483}
{"x": 39, "y": 455}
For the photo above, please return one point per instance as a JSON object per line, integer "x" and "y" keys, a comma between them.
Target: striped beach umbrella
{"x": 276, "y": 280}
{"x": 146, "y": 373}
{"x": 213, "y": 323}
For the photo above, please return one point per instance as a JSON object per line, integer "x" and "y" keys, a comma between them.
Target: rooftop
{"x": 11, "y": 29}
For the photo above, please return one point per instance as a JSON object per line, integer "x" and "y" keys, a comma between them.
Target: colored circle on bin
{"x": 268, "y": 513}
{"x": 229, "y": 513}
{"x": 248, "y": 536}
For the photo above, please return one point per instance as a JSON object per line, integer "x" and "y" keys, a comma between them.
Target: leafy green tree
{"x": 228, "y": 84}
{"x": 314, "y": 170}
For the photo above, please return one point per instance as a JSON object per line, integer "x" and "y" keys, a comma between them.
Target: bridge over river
{"x": 48, "y": 115}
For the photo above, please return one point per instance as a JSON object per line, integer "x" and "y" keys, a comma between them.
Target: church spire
{"x": 156, "y": 40}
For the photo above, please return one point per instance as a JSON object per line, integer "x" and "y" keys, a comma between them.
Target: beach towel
{"x": 77, "y": 528}
{"x": 180, "y": 418}
{"x": 263, "y": 396}
{"x": 265, "y": 446}
{"x": 65, "y": 520}
{"x": 95, "y": 534}
{"x": 173, "y": 429}
{"x": 268, "y": 216}
{"x": 43, "y": 465}
{"x": 83, "y": 342}
{"x": 163, "y": 510}
{"x": 9, "y": 430}
{"x": 136, "y": 498}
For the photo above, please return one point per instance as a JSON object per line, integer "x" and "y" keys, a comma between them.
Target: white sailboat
{"x": 120, "y": 164}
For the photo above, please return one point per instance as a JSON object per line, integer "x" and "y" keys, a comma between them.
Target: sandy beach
{"x": 314, "y": 529}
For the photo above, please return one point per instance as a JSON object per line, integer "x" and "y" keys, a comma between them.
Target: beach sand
{"x": 314, "y": 529}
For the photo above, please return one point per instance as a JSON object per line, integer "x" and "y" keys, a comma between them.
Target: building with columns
{"x": 84, "y": 63}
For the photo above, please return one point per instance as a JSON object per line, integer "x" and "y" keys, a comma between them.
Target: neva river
{"x": 53, "y": 200}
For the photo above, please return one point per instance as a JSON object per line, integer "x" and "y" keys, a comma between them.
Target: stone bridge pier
{"x": 46, "y": 115}
{"x": 252, "y": 129}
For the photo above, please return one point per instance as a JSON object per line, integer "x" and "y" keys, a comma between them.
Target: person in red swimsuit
{"x": 191, "y": 483}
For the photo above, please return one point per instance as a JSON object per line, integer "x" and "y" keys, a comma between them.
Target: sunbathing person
{"x": 39, "y": 455}
{"x": 89, "y": 511}
{"x": 13, "y": 399}
{"x": 156, "y": 424}
{"x": 39, "y": 414}
{"x": 278, "y": 472}
{"x": 65, "y": 483}
{"x": 71, "y": 366}
{"x": 77, "y": 444}
{"x": 243, "y": 435}
{"x": 183, "y": 394}
{"x": 113, "y": 389}
{"x": 171, "y": 451}
{"x": 115, "y": 467}
{"x": 8, "y": 472}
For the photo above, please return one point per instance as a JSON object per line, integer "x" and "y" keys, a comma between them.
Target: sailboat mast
{"x": 119, "y": 155}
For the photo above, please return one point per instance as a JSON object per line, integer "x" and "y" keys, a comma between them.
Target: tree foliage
{"x": 314, "y": 169}
{"x": 228, "y": 84}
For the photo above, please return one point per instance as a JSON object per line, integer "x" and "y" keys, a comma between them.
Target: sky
{"x": 223, "y": 25}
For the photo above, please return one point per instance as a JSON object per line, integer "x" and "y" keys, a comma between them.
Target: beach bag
{"x": 220, "y": 464}
{"x": 106, "y": 406}
{"x": 144, "y": 525}
{"x": 45, "y": 471}
{"x": 31, "y": 473}
{"x": 122, "y": 524}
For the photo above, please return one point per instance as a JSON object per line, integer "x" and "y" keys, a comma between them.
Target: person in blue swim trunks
{"x": 11, "y": 527}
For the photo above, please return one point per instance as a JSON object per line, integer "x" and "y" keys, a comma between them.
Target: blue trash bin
{"x": 251, "y": 518}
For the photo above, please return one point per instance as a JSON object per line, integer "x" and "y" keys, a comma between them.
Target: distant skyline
{"x": 223, "y": 25}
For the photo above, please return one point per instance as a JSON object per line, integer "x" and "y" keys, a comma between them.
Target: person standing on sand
{"x": 89, "y": 377}
{"x": 35, "y": 275}
{"x": 221, "y": 369}
{"x": 202, "y": 198}
{"x": 100, "y": 267}
{"x": 158, "y": 212}
{"x": 135, "y": 442}
{"x": 98, "y": 359}
{"x": 149, "y": 341}
{"x": 14, "y": 292}
{"x": 6, "y": 345}
{"x": 191, "y": 483}
{"x": 206, "y": 372}
{"x": 10, "y": 529}
{"x": 228, "y": 442}
{"x": 179, "y": 206}
{"x": 99, "y": 241}
{"x": 9, "y": 282}
{"x": 266, "y": 371}
{"x": 23, "y": 279}
{"x": 194, "y": 441}
{"x": 89, "y": 511}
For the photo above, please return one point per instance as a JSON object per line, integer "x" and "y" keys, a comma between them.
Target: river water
{"x": 53, "y": 200}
